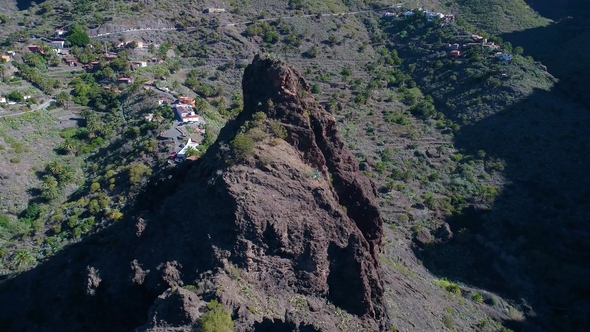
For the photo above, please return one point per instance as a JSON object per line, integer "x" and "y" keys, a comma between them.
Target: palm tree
{"x": 2, "y": 71}
{"x": 200, "y": 104}
{"x": 22, "y": 258}
{"x": 54, "y": 167}
{"x": 49, "y": 182}
{"x": 62, "y": 99}
{"x": 68, "y": 146}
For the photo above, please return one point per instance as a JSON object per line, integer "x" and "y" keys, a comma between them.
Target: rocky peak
{"x": 275, "y": 88}
{"x": 285, "y": 238}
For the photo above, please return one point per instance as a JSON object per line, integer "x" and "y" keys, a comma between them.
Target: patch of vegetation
{"x": 242, "y": 146}
{"x": 216, "y": 319}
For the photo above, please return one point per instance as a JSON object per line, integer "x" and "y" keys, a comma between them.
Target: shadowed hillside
{"x": 533, "y": 244}
{"x": 562, "y": 46}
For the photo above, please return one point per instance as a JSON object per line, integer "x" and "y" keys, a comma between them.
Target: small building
{"x": 5, "y": 58}
{"x": 35, "y": 49}
{"x": 26, "y": 97}
{"x": 139, "y": 64}
{"x": 57, "y": 43}
{"x": 492, "y": 46}
{"x": 11, "y": 53}
{"x": 138, "y": 43}
{"x": 110, "y": 57}
{"x": 150, "y": 117}
{"x": 187, "y": 100}
{"x": 213, "y": 10}
{"x": 64, "y": 51}
{"x": 455, "y": 53}
{"x": 71, "y": 61}
{"x": 504, "y": 56}
{"x": 186, "y": 114}
{"x": 125, "y": 80}
{"x": 191, "y": 118}
{"x": 449, "y": 18}
{"x": 2, "y": 100}
{"x": 183, "y": 111}
{"x": 60, "y": 32}
{"x": 408, "y": 13}
{"x": 189, "y": 145}
{"x": 164, "y": 101}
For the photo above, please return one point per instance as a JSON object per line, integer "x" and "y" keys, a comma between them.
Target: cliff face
{"x": 286, "y": 237}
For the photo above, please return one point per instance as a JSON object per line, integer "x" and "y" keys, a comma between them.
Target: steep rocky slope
{"x": 286, "y": 236}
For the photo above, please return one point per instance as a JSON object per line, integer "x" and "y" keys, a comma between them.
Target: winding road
{"x": 246, "y": 22}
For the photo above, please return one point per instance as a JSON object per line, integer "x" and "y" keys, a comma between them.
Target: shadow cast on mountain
{"x": 533, "y": 245}
{"x": 563, "y": 46}
{"x": 110, "y": 279}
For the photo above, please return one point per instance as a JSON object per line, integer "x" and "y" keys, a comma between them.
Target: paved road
{"x": 173, "y": 133}
{"x": 35, "y": 108}
{"x": 167, "y": 94}
{"x": 43, "y": 106}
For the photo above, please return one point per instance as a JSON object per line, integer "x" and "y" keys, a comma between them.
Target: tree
{"x": 63, "y": 99}
{"x": 77, "y": 36}
{"x": 2, "y": 71}
{"x": 15, "y": 96}
{"x": 518, "y": 50}
{"x": 78, "y": 39}
{"x": 68, "y": 146}
{"x": 242, "y": 146}
{"x": 22, "y": 258}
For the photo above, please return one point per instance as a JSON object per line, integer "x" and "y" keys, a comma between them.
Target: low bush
{"x": 242, "y": 146}
{"x": 216, "y": 319}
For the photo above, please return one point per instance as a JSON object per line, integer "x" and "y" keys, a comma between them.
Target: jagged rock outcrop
{"x": 286, "y": 237}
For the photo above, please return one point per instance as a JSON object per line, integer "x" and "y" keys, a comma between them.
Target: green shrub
{"x": 453, "y": 288}
{"x": 316, "y": 89}
{"x": 137, "y": 172}
{"x": 242, "y": 146}
{"x": 95, "y": 186}
{"x": 448, "y": 322}
{"x": 257, "y": 134}
{"x": 477, "y": 298}
{"x": 15, "y": 160}
{"x": 216, "y": 319}
{"x": 4, "y": 220}
{"x": 277, "y": 128}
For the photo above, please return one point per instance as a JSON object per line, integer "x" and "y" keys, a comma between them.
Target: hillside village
{"x": 104, "y": 118}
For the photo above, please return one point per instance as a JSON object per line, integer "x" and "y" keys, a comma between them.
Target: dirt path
{"x": 247, "y": 22}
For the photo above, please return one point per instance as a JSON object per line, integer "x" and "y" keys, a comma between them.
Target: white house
{"x": 57, "y": 43}
{"x": 2, "y": 100}
{"x": 186, "y": 114}
{"x": 182, "y": 153}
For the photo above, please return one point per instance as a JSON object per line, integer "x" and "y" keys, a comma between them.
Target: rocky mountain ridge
{"x": 286, "y": 238}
